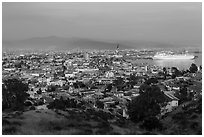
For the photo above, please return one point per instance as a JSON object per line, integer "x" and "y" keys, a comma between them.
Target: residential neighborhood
{"x": 107, "y": 77}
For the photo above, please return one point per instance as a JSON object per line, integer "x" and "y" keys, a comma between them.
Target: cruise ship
{"x": 168, "y": 56}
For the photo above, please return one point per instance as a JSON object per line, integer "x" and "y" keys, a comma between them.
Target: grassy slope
{"x": 61, "y": 122}
{"x": 75, "y": 121}
{"x": 184, "y": 121}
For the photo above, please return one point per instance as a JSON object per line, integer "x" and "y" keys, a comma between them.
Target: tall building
{"x": 117, "y": 49}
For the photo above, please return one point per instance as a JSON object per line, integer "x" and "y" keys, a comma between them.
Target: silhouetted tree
{"x": 99, "y": 104}
{"x": 62, "y": 104}
{"x": 51, "y": 88}
{"x": 14, "y": 94}
{"x": 119, "y": 83}
{"x": 108, "y": 88}
{"x": 65, "y": 87}
{"x": 193, "y": 68}
{"x": 151, "y": 123}
{"x": 175, "y": 72}
{"x": 165, "y": 72}
{"x": 18, "y": 64}
{"x": 39, "y": 91}
{"x": 133, "y": 80}
{"x": 146, "y": 104}
{"x": 151, "y": 81}
{"x": 183, "y": 94}
{"x": 78, "y": 84}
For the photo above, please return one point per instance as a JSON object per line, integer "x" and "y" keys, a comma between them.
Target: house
{"x": 109, "y": 104}
{"x": 125, "y": 113}
{"x": 109, "y": 74}
{"x": 69, "y": 75}
{"x": 119, "y": 93}
{"x": 170, "y": 104}
{"x": 88, "y": 93}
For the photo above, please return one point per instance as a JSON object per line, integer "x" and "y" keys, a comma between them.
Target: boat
{"x": 167, "y": 56}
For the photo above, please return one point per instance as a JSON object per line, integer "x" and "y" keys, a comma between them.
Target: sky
{"x": 177, "y": 23}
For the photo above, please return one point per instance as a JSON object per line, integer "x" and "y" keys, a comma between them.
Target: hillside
{"x": 185, "y": 120}
{"x": 36, "y": 122}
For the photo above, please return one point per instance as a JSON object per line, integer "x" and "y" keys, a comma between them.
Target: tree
{"x": 39, "y": 91}
{"x": 14, "y": 94}
{"x": 175, "y": 72}
{"x": 78, "y": 84}
{"x": 99, "y": 104}
{"x": 108, "y": 88}
{"x": 65, "y": 86}
{"x": 18, "y": 64}
{"x": 151, "y": 123}
{"x": 151, "y": 81}
{"x": 119, "y": 83}
{"x": 165, "y": 72}
{"x": 133, "y": 80}
{"x": 183, "y": 94}
{"x": 146, "y": 104}
{"x": 89, "y": 84}
{"x": 193, "y": 68}
{"x": 51, "y": 88}
{"x": 62, "y": 104}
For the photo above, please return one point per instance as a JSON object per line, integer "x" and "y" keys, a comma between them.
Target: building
{"x": 171, "y": 102}
{"x": 86, "y": 56}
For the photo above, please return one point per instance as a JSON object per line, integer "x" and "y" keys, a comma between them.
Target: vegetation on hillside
{"x": 14, "y": 94}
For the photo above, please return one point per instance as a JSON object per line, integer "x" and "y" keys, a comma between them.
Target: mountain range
{"x": 62, "y": 43}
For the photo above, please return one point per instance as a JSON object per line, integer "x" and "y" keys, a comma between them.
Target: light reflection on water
{"x": 181, "y": 64}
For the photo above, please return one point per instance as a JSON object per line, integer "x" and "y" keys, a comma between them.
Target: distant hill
{"x": 62, "y": 43}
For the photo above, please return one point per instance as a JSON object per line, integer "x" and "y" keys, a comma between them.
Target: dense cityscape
{"x": 101, "y": 68}
{"x": 107, "y": 85}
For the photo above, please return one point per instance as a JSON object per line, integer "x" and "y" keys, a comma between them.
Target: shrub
{"x": 151, "y": 123}
{"x": 63, "y": 104}
{"x": 14, "y": 94}
{"x": 194, "y": 125}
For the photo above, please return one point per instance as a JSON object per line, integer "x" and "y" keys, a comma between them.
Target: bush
{"x": 63, "y": 104}
{"x": 9, "y": 131}
{"x": 193, "y": 68}
{"x": 194, "y": 116}
{"x": 32, "y": 108}
{"x": 14, "y": 94}
{"x": 146, "y": 104}
{"x": 178, "y": 116}
{"x": 194, "y": 125}
{"x": 151, "y": 123}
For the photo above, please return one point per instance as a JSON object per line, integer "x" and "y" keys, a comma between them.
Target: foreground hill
{"x": 70, "y": 122}
{"x": 186, "y": 119}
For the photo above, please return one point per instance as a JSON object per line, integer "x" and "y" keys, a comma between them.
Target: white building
{"x": 109, "y": 74}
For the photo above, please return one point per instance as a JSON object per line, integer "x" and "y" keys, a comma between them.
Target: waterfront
{"x": 181, "y": 64}
{"x": 102, "y": 68}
